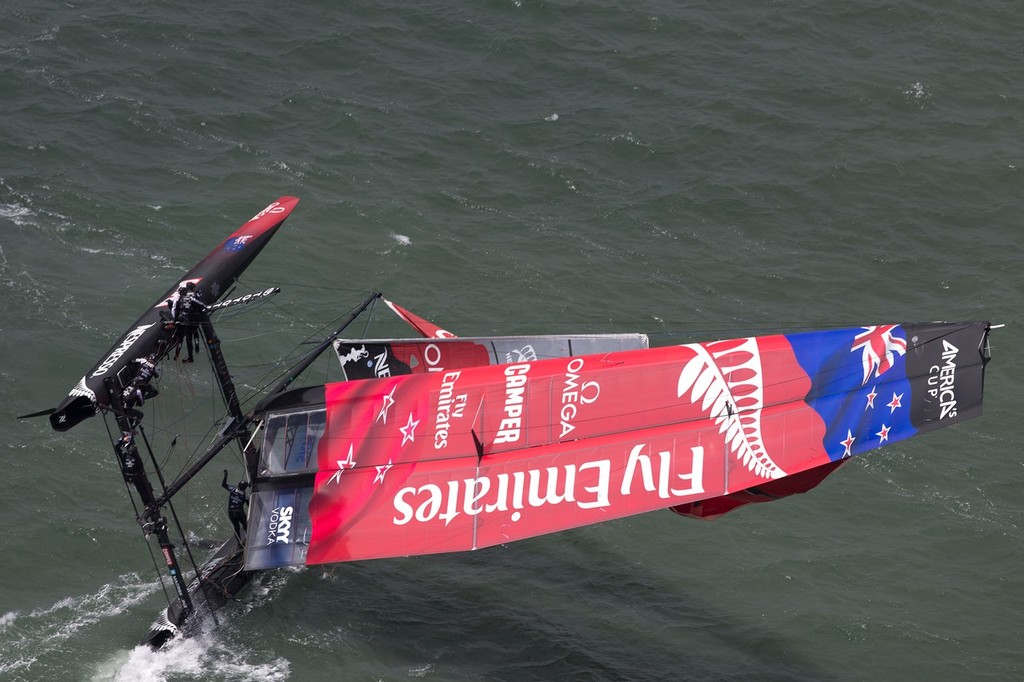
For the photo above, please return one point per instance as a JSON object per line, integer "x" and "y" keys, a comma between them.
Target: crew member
{"x": 237, "y": 499}
{"x": 140, "y": 389}
{"x": 131, "y": 466}
{"x": 187, "y": 312}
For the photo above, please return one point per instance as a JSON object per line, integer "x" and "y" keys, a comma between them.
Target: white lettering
{"x": 638, "y": 458}
{"x": 430, "y": 506}
{"x": 600, "y": 490}
{"x": 947, "y": 380}
{"x": 403, "y": 507}
{"x": 121, "y": 349}
{"x": 279, "y": 530}
{"x": 432, "y": 356}
{"x": 380, "y": 365}
{"x": 273, "y": 208}
{"x": 573, "y": 394}
{"x": 587, "y": 486}
{"x": 446, "y": 409}
{"x": 515, "y": 388}
{"x": 552, "y": 496}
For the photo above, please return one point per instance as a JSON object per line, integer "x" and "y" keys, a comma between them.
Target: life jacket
{"x": 236, "y": 500}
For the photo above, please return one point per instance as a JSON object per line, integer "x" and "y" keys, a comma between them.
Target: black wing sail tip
{"x": 150, "y": 334}
{"x": 71, "y": 411}
{"x": 78, "y": 405}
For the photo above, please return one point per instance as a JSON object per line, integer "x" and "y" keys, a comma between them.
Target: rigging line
{"x": 351, "y": 315}
{"x": 366, "y": 327}
{"x": 369, "y": 316}
{"x": 184, "y": 415}
{"x": 138, "y": 518}
{"x": 217, "y": 419}
{"x": 296, "y": 371}
{"x": 174, "y": 513}
{"x": 758, "y": 330}
{"x": 288, "y": 314}
{"x": 258, "y": 385}
{"x": 305, "y": 285}
{"x": 243, "y": 339}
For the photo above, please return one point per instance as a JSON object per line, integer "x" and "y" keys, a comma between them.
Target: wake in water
{"x": 25, "y": 638}
{"x": 30, "y": 641}
{"x": 206, "y": 655}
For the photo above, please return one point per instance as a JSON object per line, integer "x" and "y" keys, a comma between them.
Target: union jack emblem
{"x": 878, "y": 345}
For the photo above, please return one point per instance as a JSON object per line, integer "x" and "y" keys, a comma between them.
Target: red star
{"x": 894, "y": 403}
{"x": 408, "y": 430}
{"x": 382, "y": 469}
{"x": 871, "y": 399}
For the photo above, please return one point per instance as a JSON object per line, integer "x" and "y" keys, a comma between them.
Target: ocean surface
{"x": 694, "y": 170}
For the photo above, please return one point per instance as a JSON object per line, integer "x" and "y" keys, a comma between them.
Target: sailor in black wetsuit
{"x": 139, "y": 389}
{"x": 131, "y": 466}
{"x": 187, "y": 311}
{"x": 237, "y": 499}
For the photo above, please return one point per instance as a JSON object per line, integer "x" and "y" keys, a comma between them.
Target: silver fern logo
{"x": 725, "y": 379}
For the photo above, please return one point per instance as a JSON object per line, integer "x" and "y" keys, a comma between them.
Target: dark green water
{"x": 690, "y": 170}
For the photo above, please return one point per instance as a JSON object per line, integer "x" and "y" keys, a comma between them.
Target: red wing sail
{"x": 483, "y": 456}
{"x": 468, "y": 458}
{"x": 213, "y": 276}
{"x": 425, "y": 328}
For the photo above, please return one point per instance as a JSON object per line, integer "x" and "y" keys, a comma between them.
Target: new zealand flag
{"x": 877, "y": 385}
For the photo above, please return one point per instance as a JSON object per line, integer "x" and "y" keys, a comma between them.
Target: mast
{"x": 238, "y": 426}
{"x": 134, "y": 472}
{"x": 227, "y": 386}
{"x": 311, "y": 357}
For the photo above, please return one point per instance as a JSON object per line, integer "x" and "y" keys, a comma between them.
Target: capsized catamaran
{"x": 444, "y": 444}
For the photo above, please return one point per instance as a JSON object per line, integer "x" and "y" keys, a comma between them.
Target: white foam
{"x": 24, "y": 637}
{"x": 917, "y": 91}
{"x": 201, "y": 656}
{"x": 16, "y": 213}
{"x": 7, "y": 619}
{"x": 401, "y": 239}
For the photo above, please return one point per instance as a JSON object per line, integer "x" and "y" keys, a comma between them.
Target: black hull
{"x": 220, "y": 579}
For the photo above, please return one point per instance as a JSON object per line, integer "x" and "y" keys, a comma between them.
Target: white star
{"x": 381, "y": 470}
{"x": 871, "y": 399}
{"x": 389, "y": 400}
{"x": 407, "y": 430}
{"x": 883, "y": 435}
{"x": 848, "y": 443}
{"x": 342, "y": 465}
